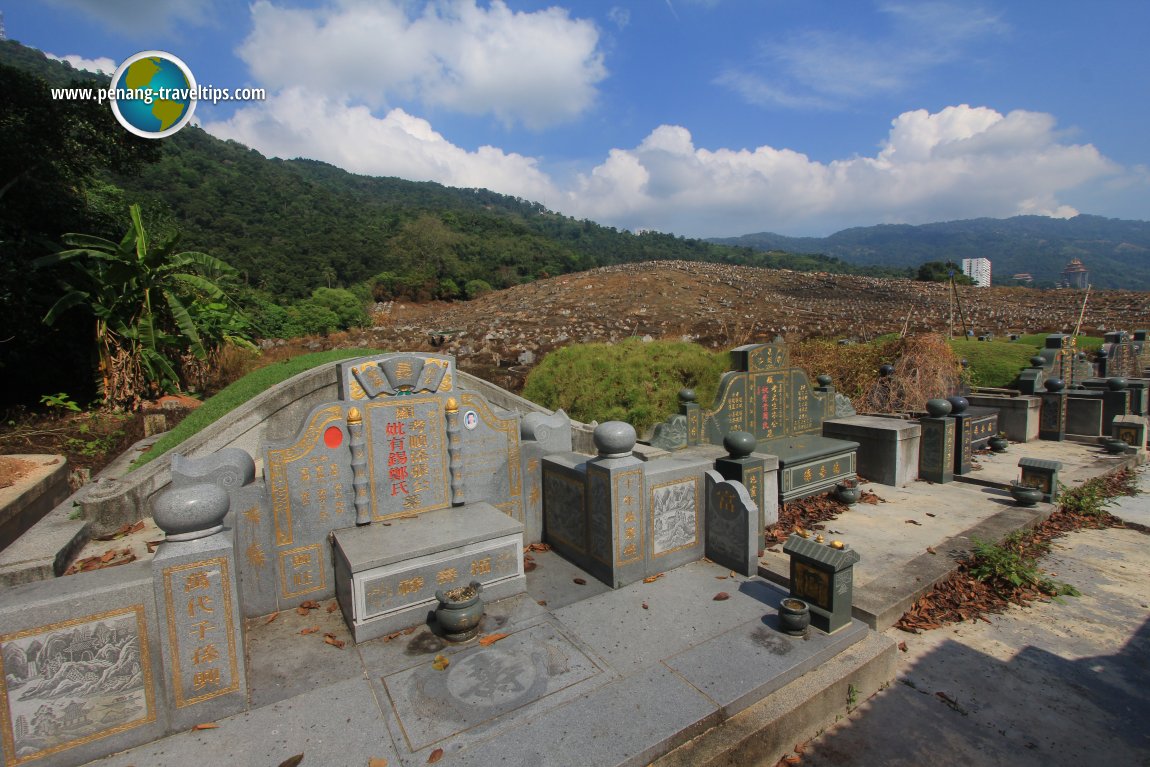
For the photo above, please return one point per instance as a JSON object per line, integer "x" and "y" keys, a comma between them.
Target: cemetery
{"x": 388, "y": 558}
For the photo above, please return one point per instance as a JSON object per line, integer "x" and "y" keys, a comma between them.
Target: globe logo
{"x": 153, "y": 94}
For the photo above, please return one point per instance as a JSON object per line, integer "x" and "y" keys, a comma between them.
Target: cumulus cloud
{"x": 960, "y": 162}
{"x": 102, "y": 64}
{"x": 298, "y": 123}
{"x": 830, "y": 69}
{"x": 535, "y": 68}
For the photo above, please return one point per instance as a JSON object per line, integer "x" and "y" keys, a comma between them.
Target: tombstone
{"x": 744, "y": 466}
{"x": 937, "y": 455}
{"x": 450, "y": 474}
{"x": 774, "y": 402}
{"x": 1040, "y": 473}
{"x": 1120, "y": 356}
{"x": 1131, "y": 429}
{"x": 822, "y": 576}
{"x": 732, "y": 532}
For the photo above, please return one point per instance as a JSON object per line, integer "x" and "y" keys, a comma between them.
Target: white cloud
{"x": 619, "y": 16}
{"x": 960, "y": 162}
{"x": 102, "y": 64}
{"x": 144, "y": 17}
{"x": 829, "y": 69}
{"x": 297, "y": 123}
{"x": 537, "y": 68}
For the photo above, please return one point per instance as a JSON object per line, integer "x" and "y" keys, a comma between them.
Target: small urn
{"x": 460, "y": 611}
{"x": 794, "y": 617}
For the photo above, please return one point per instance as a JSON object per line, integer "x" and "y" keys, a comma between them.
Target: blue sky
{"x": 698, "y": 117}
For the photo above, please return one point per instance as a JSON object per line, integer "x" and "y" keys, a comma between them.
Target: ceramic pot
{"x": 1025, "y": 496}
{"x": 998, "y": 444}
{"x": 794, "y": 616}
{"x": 847, "y": 494}
{"x": 459, "y": 612}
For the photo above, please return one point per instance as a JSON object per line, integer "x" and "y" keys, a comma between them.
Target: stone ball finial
{"x": 687, "y": 395}
{"x": 938, "y": 408}
{"x": 1037, "y": 361}
{"x": 824, "y": 380}
{"x": 740, "y": 444}
{"x": 958, "y": 404}
{"x": 886, "y": 370}
{"x": 964, "y": 362}
{"x": 1055, "y": 384}
{"x": 192, "y": 511}
{"x": 1117, "y": 383}
{"x": 614, "y": 439}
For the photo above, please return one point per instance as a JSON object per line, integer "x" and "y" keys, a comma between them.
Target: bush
{"x": 630, "y": 381}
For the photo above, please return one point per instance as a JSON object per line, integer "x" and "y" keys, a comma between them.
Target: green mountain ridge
{"x": 1115, "y": 251}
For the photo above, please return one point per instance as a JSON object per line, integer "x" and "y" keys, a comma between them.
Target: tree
{"x": 942, "y": 271}
{"x": 139, "y": 294}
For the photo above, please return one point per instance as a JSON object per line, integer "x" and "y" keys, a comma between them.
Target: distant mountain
{"x": 1115, "y": 251}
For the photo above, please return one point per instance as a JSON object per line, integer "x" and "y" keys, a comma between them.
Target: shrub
{"x": 630, "y": 381}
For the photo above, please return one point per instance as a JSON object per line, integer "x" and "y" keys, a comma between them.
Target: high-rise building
{"x": 1075, "y": 275}
{"x": 977, "y": 269}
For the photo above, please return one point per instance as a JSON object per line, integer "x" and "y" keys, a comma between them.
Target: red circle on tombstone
{"x": 333, "y": 437}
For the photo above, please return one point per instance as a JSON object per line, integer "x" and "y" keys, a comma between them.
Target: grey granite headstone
{"x": 823, "y": 577}
{"x": 1084, "y": 413}
{"x": 731, "y": 524}
{"x": 1052, "y": 420}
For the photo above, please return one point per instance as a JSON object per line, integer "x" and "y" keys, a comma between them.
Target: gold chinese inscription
{"x": 811, "y": 584}
{"x": 201, "y": 631}
{"x": 302, "y": 571}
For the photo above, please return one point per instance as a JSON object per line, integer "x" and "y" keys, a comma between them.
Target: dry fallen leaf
{"x": 491, "y": 639}
{"x": 377, "y": 761}
{"x": 652, "y": 578}
{"x": 271, "y": 618}
{"x": 206, "y": 726}
{"x": 302, "y": 610}
{"x": 310, "y": 604}
{"x": 930, "y": 550}
{"x": 902, "y": 646}
{"x": 542, "y": 602}
{"x": 292, "y": 761}
{"x": 580, "y": 581}
{"x": 435, "y": 756}
{"x": 914, "y": 522}
{"x": 441, "y": 662}
{"x": 331, "y": 640}
{"x": 721, "y": 596}
{"x": 310, "y": 630}
{"x": 645, "y": 606}
{"x": 333, "y": 606}
{"x": 929, "y": 514}
{"x": 792, "y": 760}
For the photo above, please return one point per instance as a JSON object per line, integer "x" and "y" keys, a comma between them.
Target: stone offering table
{"x": 888, "y": 447}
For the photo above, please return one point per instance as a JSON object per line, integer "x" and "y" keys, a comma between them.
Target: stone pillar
{"x": 615, "y": 496}
{"x": 741, "y": 465}
{"x": 1115, "y": 402}
{"x": 194, "y": 580}
{"x": 690, "y": 408}
{"x": 1052, "y": 422}
{"x": 963, "y": 436}
{"x": 936, "y": 457}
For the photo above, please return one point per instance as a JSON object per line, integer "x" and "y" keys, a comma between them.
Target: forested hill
{"x": 1116, "y": 252}
{"x": 292, "y": 226}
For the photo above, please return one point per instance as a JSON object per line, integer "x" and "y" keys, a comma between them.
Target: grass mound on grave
{"x": 630, "y": 381}
{"x": 1038, "y": 340}
{"x": 242, "y": 390}
{"x": 994, "y": 363}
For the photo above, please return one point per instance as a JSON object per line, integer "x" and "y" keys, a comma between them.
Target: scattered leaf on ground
{"x": 541, "y": 602}
{"x": 914, "y": 522}
{"x": 930, "y": 550}
{"x": 580, "y": 581}
{"x": 721, "y": 596}
{"x": 930, "y": 514}
{"x": 902, "y": 646}
{"x": 441, "y": 662}
{"x": 377, "y": 761}
{"x": 435, "y": 756}
{"x": 206, "y": 726}
{"x": 539, "y": 547}
{"x": 302, "y": 610}
{"x": 491, "y": 639}
{"x": 292, "y": 761}
{"x": 309, "y": 630}
{"x": 645, "y": 606}
{"x": 333, "y": 606}
{"x": 652, "y": 578}
{"x": 310, "y": 604}
{"x": 271, "y": 618}
{"x": 333, "y": 641}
